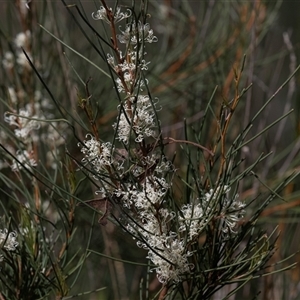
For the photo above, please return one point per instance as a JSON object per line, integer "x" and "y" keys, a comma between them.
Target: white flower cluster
{"x": 192, "y": 220}
{"x": 150, "y": 193}
{"x": 135, "y": 33}
{"x": 136, "y": 113}
{"x": 231, "y": 211}
{"x": 23, "y": 157}
{"x": 8, "y": 241}
{"x": 118, "y": 16}
{"x": 22, "y": 40}
{"x": 141, "y": 187}
{"x": 29, "y": 127}
{"x": 171, "y": 259}
{"x": 142, "y": 122}
{"x": 97, "y": 154}
{"x": 25, "y": 125}
{"x": 151, "y": 226}
{"x": 216, "y": 202}
{"x": 24, "y": 131}
{"x": 24, "y": 119}
{"x": 24, "y": 122}
{"x": 144, "y": 196}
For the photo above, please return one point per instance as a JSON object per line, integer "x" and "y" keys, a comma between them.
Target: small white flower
{"x": 24, "y": 122}
{"x": 192, "y": 220}
{"x": 137, "y": 33}
{"x": 22, "y": 60}
{"x": 22, "y": 39}
{"x": 23, "y": 158}
{"x": 101, "y": 14}
{"x": 231, "y": 211}
{"x": 144, "y": 65}
{"x": 215, "y": 193}
{"x": 8, "y": 60}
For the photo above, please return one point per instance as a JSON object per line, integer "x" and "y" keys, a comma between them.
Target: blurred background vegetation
{"x": 200, "y": 45}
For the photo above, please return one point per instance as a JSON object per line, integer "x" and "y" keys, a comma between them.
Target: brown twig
{"x": 163, "y": 293}
{"x": 223, "y": 131}
{"x": 192, "y": 143}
